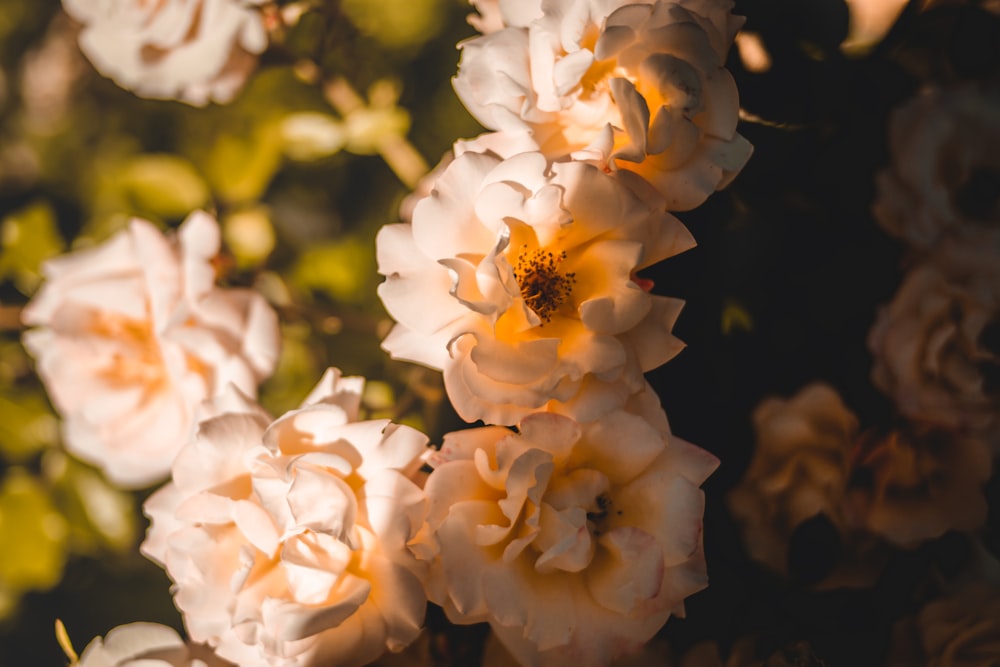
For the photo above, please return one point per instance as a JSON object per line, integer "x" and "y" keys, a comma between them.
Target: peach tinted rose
{"x": 131, "y": 335}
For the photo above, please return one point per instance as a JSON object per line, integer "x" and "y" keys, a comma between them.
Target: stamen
{"x": 596, "y": 517}
{"x": 603, "y": 503}
{"x": 543, "y": 287}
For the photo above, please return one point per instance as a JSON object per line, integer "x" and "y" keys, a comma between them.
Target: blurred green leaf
{"x": 33, "y": 534}
{"x": 378, "y": 395}
{"x": 249, "y": 235}
{"x": 27, "y": 426}
{"x": 99, "y": 515}
{"x": 28, "y": 236}
{"x": 396, "y": 23}
{"x": 240, "y": 167}
{"x": 305, "y": 37}
{"x": 162, "y": 186}
{"x": 735, "y": 317}
{"x": 342, "y": 268}
{"x": 413, "y": 420}
{"x": 14, "y": 360}
{"x": 296, "y": 374}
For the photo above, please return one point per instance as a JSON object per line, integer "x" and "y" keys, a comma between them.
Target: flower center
{"x": 543, "y": 287}
{"x": 136, "y": 358}
{"x": 596, "y": 516}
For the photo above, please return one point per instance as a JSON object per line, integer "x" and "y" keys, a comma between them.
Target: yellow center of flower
{"x": 543, "y": 287}
{"x": 137, "y": 357}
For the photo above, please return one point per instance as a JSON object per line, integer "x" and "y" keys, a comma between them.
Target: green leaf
{"x": 296, "y": 374}
{"x": 735, "y": 317}
{"x": 33, "y": 534}
{"x": 249, "y": 235}
{"x": 397, "y": 23}
{"x": 28, "y": 237}
{"x": 240, "y": 167}
{"x": 100, "y": 516}
{"x": 162, "y": 186}
{"x": 343, "y": 269}
{"x": 27, "y": 426}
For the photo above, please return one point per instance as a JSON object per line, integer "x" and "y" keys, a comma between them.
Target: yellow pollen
{"x": 543, "y": 287}
{"x": 138, "y": 357}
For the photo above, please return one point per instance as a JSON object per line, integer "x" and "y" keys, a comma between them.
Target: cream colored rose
{"x": 959, "y": 630}
{"x": 147, "y": 645}
{"x": 641, "y": 87}
{"x": 918, "y": 486}
{"x": 496, "y": 15}
{"x": 576, "y": 542}
{"x": 288, "y": 542}
{"x": 195, "y": 51}
{"x": 519, "y": 283}
{"x": 937, "y": 343}
{"x": 799, "y": 470}
{"x": 944, "y": 174}
{"x": 131, "y": 335}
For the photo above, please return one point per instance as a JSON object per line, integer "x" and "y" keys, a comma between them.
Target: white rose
{"x": 195, "y": 51}
{"x": 576, "y": 542}
{"x": 519, "y": 283}
{"x": 496, "y": 15}
{"x": 937, "y": 343}
{"x": 944, "y": 173}
{"x": 641, "y": 87}
{"x": 147, "y": 645}
{"x": 133, "y": 334}
{"x": 288, "y": 541}
{"x": 800, "y": 469}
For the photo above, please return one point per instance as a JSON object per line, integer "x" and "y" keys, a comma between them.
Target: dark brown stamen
{"x": 543, "y": 287}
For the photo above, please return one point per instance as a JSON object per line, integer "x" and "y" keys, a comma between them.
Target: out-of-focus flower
{"x": 960, "y": 630}
{"x": 494, "y": 15}
{"x": 753, "y": 54}
{"x": 288, "y": 541}
{"x": 641, "y": 87}
{"x": 799, "y": 470}
{"x": 195, "y": 51}
{"x": 576, "y": 542}
{"x": 944, "y": 174}
{"x": 147, "y": 645}
{"x": 655, "y": 653}
{"x": 518, "y": 281}
{"x": 49, "y": 76}
{"x": 35, "y": 535}
{"x": 132, "y": 334}
{"x": 937, "y": 344}
{"x": 918, "y": 486}
{"x": 870, "y": 20}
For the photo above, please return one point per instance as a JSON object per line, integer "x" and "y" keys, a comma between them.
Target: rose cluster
{"x": 571, "y": 521}
{"x": 935, "y": 348}
{"x": 193, "y": 51}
